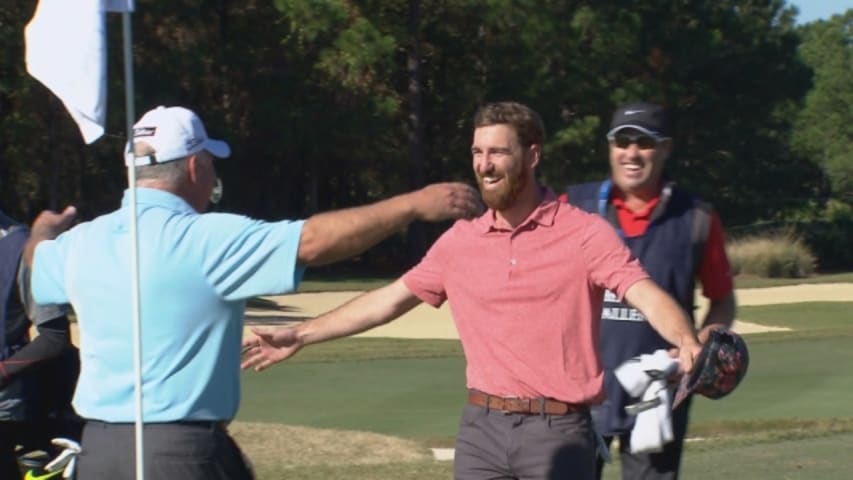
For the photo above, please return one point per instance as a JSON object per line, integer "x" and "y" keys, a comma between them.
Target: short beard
{"x": 504, "y": 198}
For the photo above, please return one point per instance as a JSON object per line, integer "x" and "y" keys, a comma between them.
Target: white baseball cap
{"x": 173, "y": 133}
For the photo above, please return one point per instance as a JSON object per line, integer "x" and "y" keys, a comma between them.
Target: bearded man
{"x": 525, "y": 282}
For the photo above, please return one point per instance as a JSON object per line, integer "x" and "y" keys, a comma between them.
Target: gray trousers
{"x": 185, "y": 451}
{"x": 493, "y": 445}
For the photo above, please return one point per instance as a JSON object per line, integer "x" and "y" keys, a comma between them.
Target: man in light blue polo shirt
{"x": 195, "y": 272}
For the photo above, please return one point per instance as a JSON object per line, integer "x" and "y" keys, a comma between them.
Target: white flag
{"x": 66, "y": 51}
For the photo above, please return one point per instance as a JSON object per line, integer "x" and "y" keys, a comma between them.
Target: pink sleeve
{"x": 609, "y": 263}
{"x": 425, "y": 280}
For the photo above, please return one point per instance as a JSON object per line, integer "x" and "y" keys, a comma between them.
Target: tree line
{"x": 333, "y": 103}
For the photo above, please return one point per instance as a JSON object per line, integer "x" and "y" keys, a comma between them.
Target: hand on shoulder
{"x": 447, "y": 201}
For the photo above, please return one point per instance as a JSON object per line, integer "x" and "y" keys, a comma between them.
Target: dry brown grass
{"x": 290, "y": 446}
{"x": 781, "y": 255}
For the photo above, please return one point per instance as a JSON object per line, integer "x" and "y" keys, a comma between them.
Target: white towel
{"x": 66, "y": 51}
{"x": 646, "y": 376}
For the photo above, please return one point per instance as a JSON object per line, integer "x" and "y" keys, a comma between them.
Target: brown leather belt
{"x": 527, "y": 406}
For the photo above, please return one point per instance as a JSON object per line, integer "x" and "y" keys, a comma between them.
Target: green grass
{"x": 811, "y": 458}
{"x": 359, "y": 349}
{"x": 790, "y": 418}
{"x": 418, "y": 398}
{"x": 747, "y": 281}
{"x": 342, "y": 384}
{"x": 345, "y": 283}
{"x": 817, "y": 458}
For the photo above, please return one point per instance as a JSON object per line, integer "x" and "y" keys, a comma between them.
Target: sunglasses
{"x": 644, "y": 142}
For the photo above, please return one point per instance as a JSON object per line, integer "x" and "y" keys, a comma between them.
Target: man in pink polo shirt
{"x": 525, "y": 282}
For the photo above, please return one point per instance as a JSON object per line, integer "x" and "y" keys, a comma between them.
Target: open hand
{"x": 269, "y": 346}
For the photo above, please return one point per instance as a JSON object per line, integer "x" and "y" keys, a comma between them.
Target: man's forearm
{"x": 360, "y": 314}
{"x": 332, "y": 236}
{"x": 721, "y": 311}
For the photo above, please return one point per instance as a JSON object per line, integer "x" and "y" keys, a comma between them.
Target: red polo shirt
{"x": 526, "y": 301}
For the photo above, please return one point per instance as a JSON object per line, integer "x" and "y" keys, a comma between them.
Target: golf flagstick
{"x": 130, "y": 115}
{"x": 75, "y": 71}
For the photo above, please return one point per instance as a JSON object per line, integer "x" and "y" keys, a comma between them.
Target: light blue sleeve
{"x": 252, "y": 257}
{"x": 47, "y": 280}
{"x": 38, "y": 314}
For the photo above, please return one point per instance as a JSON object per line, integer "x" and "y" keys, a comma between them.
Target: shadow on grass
{"x": 256, "y": 304}
{"x": 273, "y": 319}
{"x": 267, "y": 304}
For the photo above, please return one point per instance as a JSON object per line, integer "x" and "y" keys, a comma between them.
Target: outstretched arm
{"x": 377, "y": 307}
{"x": 667, "y": 318}
{"x": 47, "y": 226}
{"x": 332, "y": 236}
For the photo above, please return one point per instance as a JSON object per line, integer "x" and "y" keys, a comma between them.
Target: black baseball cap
{"x": 718, "y": 369}
{"x": 648, "y": 118}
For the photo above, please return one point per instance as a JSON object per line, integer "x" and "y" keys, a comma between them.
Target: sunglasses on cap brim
{"x": 643, "y": 142}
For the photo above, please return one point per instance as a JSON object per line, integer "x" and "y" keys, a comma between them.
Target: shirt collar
{"x": 157, "y": 197}
{"x": 653, "y": 209}
{"x": 543, "y": 214}
{"x": 644, "y": 212}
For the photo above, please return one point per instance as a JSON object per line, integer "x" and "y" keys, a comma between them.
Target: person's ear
{"x": 666, "y": 148}
{"x": 193, "y": 167}
{"x": 534, "y": 153}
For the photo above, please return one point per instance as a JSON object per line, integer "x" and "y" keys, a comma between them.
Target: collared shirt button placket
{"x": 511, "y": 254}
